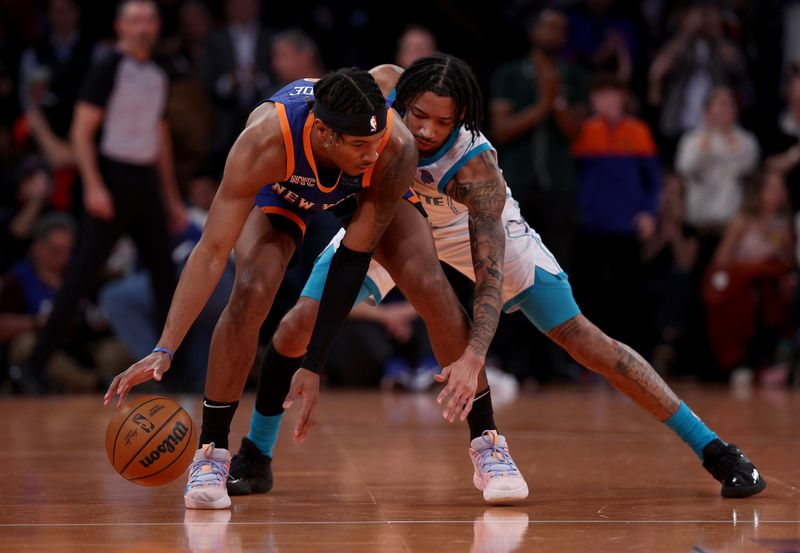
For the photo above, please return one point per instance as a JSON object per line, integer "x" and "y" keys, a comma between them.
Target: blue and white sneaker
{"x": 208, "y": 474}
{"x": 496, "y": 474}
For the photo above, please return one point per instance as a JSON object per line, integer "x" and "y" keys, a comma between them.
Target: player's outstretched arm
{"x": 393, "y": 176}
{"x": 254, "y": 159}
{"x": 479, "y": 185}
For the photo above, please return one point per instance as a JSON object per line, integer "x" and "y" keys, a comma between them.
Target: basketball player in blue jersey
{"x": 329, "y": 145}
{"x": 479, "y": 230}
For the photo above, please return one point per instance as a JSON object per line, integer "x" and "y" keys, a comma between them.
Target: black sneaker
{"x": 738, "y": 475}
{"x": 251, "y": 471}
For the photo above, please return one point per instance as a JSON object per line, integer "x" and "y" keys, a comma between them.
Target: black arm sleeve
{"x": 345, "y": 277}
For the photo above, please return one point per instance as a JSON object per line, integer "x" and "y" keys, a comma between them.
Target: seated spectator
{"x": 26, "y": 296}
{"x": 748, "y": 287}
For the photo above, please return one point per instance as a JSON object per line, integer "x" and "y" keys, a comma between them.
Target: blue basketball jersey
{"x": 302, "y": 188}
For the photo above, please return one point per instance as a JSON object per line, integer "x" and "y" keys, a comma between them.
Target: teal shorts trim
{"x": 548, "y": 303}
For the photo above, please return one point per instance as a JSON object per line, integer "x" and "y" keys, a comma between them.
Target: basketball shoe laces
{"x": 494, "y": 459}
{"x": 208, "y": 471}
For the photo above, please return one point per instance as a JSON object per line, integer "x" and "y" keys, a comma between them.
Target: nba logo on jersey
{"x": 373, "y": 123}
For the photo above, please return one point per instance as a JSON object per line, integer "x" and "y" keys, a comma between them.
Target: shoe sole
{"x": 505, "y": 497}
{"x": 500, "y": 497}
{"x": 739, "y": 492}
{"x": 222, "y": 503}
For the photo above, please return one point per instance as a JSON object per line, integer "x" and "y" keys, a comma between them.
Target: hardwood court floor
{"x": 384, "y": 473}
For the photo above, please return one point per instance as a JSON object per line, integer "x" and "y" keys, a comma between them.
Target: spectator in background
{"x": 236, "y": 71}
{"x": 415, "y": 42}
{"x": 189, "y": 109}
{"x": 26, "y": 295}
{"x": 18, "y": 218}
{"x": 669, "y": 257}
{"x": 785, "y": 150}
{"x": 34, "y": 133}
{"x": 123, "y": 97}
{"x": 537, "y": 106}
{"x": 714, "y": 159}
{"x": 619, "y": 181}
{"x": 384, "y": 345}
{"x": 602, "y": 40}
{"x": 748, "y": 287}
{"x": 686, "y": 70}
{"x": 294, "y": 56}
{"x": 66, "y": 54}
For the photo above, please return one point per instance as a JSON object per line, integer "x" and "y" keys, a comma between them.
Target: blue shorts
{"x": 293, "y": 219}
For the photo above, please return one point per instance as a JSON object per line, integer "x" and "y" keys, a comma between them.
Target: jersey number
{"x": 306, "y": 90}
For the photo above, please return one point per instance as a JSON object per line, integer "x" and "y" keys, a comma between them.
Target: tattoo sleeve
{"x": 482, "y": 191}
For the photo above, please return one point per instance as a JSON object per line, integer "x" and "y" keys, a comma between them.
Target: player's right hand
{"x": 153, "y": 366}
{"x": 305, "y": 384}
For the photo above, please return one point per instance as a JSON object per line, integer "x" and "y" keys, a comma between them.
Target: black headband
{"x": 355, "y": 124}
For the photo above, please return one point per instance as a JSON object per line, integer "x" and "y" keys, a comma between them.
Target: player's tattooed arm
{"x": 479, "y": 185}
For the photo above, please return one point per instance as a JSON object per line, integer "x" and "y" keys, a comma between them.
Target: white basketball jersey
{"x": 450, "y": 224}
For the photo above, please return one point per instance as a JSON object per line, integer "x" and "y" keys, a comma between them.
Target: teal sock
{"x": 264, "y": 431}
{"x": 691, "y": 429}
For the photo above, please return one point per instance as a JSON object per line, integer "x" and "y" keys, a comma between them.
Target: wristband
{"x": 160, "y": 349}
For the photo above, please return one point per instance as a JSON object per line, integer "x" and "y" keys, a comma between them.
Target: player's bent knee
{"x": 294, "y": 330}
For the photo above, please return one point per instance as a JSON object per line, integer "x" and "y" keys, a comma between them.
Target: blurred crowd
{"x": 654, "y": 145}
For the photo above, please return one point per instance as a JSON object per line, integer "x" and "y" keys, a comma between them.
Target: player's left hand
{"x": 462, "y": 381}
{"x": 305, "y": 384}
{"x": 153, "y": 366}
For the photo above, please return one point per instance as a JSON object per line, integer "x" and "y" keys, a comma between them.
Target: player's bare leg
{"x": 632, "y": 375}
{"x": 262, "y": 254}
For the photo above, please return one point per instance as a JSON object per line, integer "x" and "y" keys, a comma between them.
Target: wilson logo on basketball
{"x": 169, "y": 444}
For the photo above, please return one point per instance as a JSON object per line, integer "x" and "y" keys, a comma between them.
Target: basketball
{"x": 150, "y": 441}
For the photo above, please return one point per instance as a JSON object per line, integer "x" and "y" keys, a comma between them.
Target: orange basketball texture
{"x": 150, "y": 441}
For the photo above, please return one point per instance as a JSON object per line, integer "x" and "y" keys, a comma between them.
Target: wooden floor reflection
{"x": 384, "y": 473}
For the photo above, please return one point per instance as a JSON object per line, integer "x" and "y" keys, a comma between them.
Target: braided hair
{"x": 348, "y": 91}
{"x": 446, "y": 76}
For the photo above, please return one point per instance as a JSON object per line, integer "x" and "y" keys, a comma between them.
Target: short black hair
{"x": 446, "y": 76}
{"x": 349, "y": 90}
